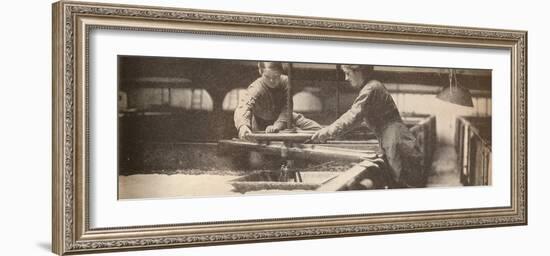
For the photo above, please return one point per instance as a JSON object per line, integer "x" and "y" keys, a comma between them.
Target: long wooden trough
{"x": 368, "y": 172}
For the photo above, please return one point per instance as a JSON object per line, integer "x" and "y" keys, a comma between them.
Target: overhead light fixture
{"x": 454, "y": 93}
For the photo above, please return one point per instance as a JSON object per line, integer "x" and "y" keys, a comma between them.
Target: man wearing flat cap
{"x": 375, "y": 107}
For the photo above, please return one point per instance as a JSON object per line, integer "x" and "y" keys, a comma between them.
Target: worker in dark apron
{"x": 264, "y": 107}
{"x": 375, "y": 107}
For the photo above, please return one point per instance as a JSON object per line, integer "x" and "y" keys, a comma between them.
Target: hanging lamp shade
{"x": 454, "y": 93}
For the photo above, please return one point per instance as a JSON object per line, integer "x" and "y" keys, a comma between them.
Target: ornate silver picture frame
{"x": 75, "y": 163}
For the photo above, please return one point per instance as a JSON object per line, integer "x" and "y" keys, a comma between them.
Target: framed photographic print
{"x": 179, "y": 127}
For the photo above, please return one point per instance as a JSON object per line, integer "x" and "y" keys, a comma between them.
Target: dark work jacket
{"x": 375, "y": 107}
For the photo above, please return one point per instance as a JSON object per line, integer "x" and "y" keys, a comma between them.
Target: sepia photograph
{"x": 203, "y": 127}
{"x": 184, "y": 127}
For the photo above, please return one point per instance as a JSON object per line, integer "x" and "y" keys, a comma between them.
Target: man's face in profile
{"x": 355, "y": 77}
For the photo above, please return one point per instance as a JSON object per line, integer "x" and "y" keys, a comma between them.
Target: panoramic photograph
{"x": 190, "y": 127}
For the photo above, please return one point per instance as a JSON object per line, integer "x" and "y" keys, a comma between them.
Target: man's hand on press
{"x": 275, "y": 127}
{"x": 272, "y": 129}
{"x": 321, "y": 136}
{"x": 243, "y": 131}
